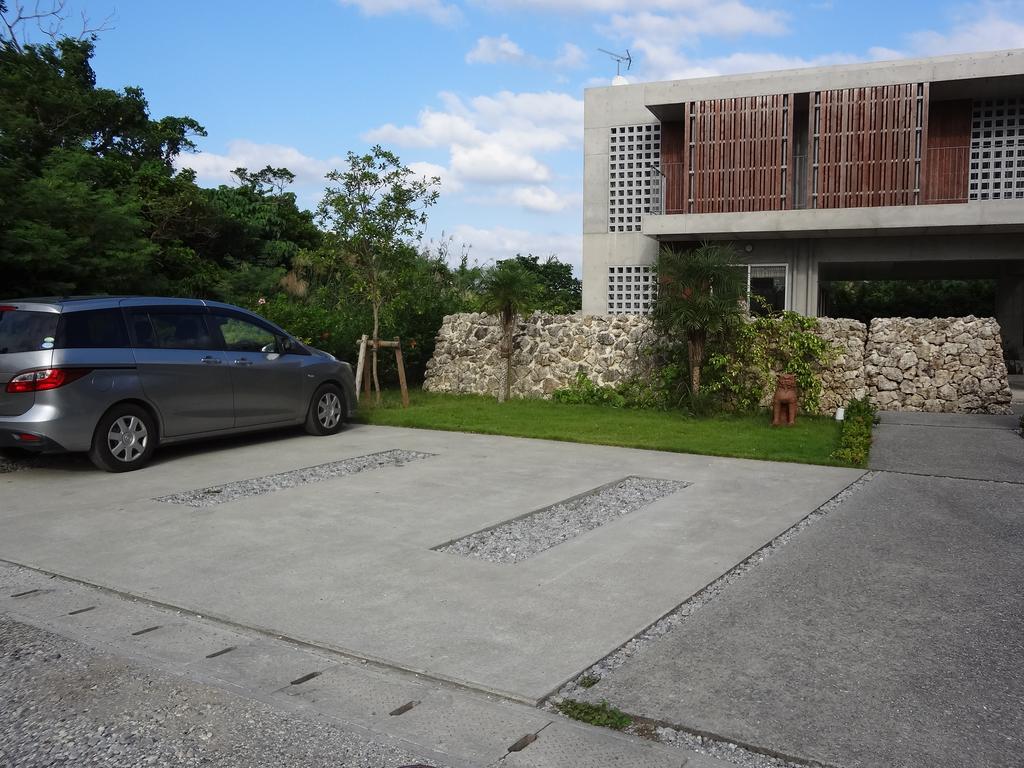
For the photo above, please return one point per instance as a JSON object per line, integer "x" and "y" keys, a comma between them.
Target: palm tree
{"x": 700, "y": 293}
{"x": 509, "y": 289}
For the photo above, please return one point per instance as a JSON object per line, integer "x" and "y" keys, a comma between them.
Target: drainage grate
{"x": 221, "y": 652}
{"x": 145, "y": 631}
{"x": 27, "y": 592}
{"x": 82, "y": 610}
{"x": 257, "y": 486}
{"x": 403, "y": 709}
{"x": 523, "y": 743}
{"x": 523, "y": 537}
{"x": 305, "y": 678}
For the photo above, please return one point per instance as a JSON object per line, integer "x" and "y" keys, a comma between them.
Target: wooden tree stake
{"x": 401, "y": 373}
{"x": 363, "y": 370}
{"x": 361, "y": 365}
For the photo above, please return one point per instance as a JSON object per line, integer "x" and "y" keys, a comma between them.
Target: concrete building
{"x": 909, "y": 169}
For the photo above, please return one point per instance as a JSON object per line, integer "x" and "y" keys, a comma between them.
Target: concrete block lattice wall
{"x": 951, "y": 365}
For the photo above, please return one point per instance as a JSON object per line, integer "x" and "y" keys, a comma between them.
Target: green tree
{"x": 370, "y": 209}
{"x": 259, "y": 233}
{"x": 76, "y": 162}
{"x": 508, "y": 290}
{"x": 561, "y": 293}
{"x": 865, "y": 300}
{"x": 700, "y": 293}
{"x": 92, "y": 200}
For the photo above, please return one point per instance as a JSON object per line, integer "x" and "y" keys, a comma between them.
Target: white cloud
{"x": 495, "y": 163}
{"x": 212, "y": 168}
{"x": 541, "y": 199}
{"x": 493, "y": 139}
{"x": 430, "y": 170}
{"x": 662, "y": 40}
{"x": 436, "y": 10}
{"x": 491, "y": 244}
{"x": 666, "y": 63}
{"x": 594, "y": 6}
{"x": 570, "y": 57}
{"x": 492, "y": 50}
{"x": 434, "y": 129}
{"x": 728, "y": 19}
{"x": 516, "y": 115}
{"x": 991, "y": 32}
{"x": 503, "y": 50}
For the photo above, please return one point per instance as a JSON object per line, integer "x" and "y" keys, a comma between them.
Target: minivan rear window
{"x": 24, "y": 331}
{"x": 92, "y": 328}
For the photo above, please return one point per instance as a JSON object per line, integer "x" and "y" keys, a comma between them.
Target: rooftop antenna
{"x": 619, "y": 59}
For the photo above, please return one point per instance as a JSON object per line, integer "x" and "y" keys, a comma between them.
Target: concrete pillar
{"x": 803, "y": 293}
{"x": 1010, "y": 309}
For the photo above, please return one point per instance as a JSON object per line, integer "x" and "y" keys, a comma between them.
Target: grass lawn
{"x": 810, "y": 441}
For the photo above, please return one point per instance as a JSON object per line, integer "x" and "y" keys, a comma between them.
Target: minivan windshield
{"x": 24, "y": 331}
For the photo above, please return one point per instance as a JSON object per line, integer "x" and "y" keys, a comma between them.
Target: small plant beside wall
{"x": 855, "y": 441}
{"x": 742, "y": 372}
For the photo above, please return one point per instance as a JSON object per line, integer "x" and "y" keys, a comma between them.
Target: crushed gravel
{"x": 15, "y": 462}
{"x": 703, "y": 744}
{"x": 522, "y": 538}
{"x": 257, "y": 486}
{"x": 62, "y": 704}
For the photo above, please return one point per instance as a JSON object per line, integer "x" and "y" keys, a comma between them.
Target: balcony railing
{"x": 946, "y": 178}
{"x": 673, "y": 189}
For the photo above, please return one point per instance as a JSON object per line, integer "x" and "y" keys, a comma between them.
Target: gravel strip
{"x": 526, "y": 536}
{"x": 62, "y": 704}
{"x": 703, "y": 744}
{"x": 257, "y": 486}
{"x": 13, "y": 462}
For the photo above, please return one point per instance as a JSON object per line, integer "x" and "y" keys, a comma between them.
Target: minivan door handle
{"x": 211, "y": 360}
{"x": 243, "y": 361}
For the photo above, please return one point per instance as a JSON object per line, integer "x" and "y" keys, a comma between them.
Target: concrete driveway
{"x": 889, "y": 633}
{"x": 348, "y": 563}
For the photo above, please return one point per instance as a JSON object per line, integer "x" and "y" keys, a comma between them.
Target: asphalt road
{"x": 889, "y": 633}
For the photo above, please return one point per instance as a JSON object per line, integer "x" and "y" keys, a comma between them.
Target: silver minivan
{"x": 117, "y": 376}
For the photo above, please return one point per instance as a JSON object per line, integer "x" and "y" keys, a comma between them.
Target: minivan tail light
{"x": 48, "y": 378}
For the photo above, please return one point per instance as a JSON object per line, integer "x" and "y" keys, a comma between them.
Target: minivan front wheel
{"x": 326, "y": 414}
{"x": 124, "y": 440}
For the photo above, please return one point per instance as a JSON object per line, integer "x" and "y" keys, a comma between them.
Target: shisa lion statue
{"x": 784, "y": 402}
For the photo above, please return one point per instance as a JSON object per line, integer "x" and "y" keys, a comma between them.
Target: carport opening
{"x": 864, "y": 291}
{"x": 865, "y": 300}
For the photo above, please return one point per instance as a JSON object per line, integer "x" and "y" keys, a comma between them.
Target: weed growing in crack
{"x": 603, "y": 714}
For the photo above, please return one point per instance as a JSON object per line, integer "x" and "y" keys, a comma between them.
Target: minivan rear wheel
{"x": 124, "y": 440}
{"x": 326, "y": 415}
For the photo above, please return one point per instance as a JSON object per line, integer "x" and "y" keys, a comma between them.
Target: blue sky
{"x": 488, "y": 94}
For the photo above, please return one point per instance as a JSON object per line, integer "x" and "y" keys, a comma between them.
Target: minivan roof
{"x": 60, "y": 304}
{"x": 82, "y": 302}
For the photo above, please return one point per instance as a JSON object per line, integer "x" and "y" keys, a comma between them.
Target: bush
{"x": 741, "y": 372}
{"x": 314, "y": 323}
{"x": 636, "y": 392}
{"x": 855, "y": 441}
{"x": 585, "y": 392}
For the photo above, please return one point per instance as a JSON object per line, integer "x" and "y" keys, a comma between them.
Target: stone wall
{"x": 844, "y": 380}
{"x": 550, "y": 350}
{"x": 952, "y": 365}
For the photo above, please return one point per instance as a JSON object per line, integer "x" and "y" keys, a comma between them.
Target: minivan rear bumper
{"x": 29, "y": 441}
{"x": 41, "y": 428}
{"x": 65, "y": 418}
